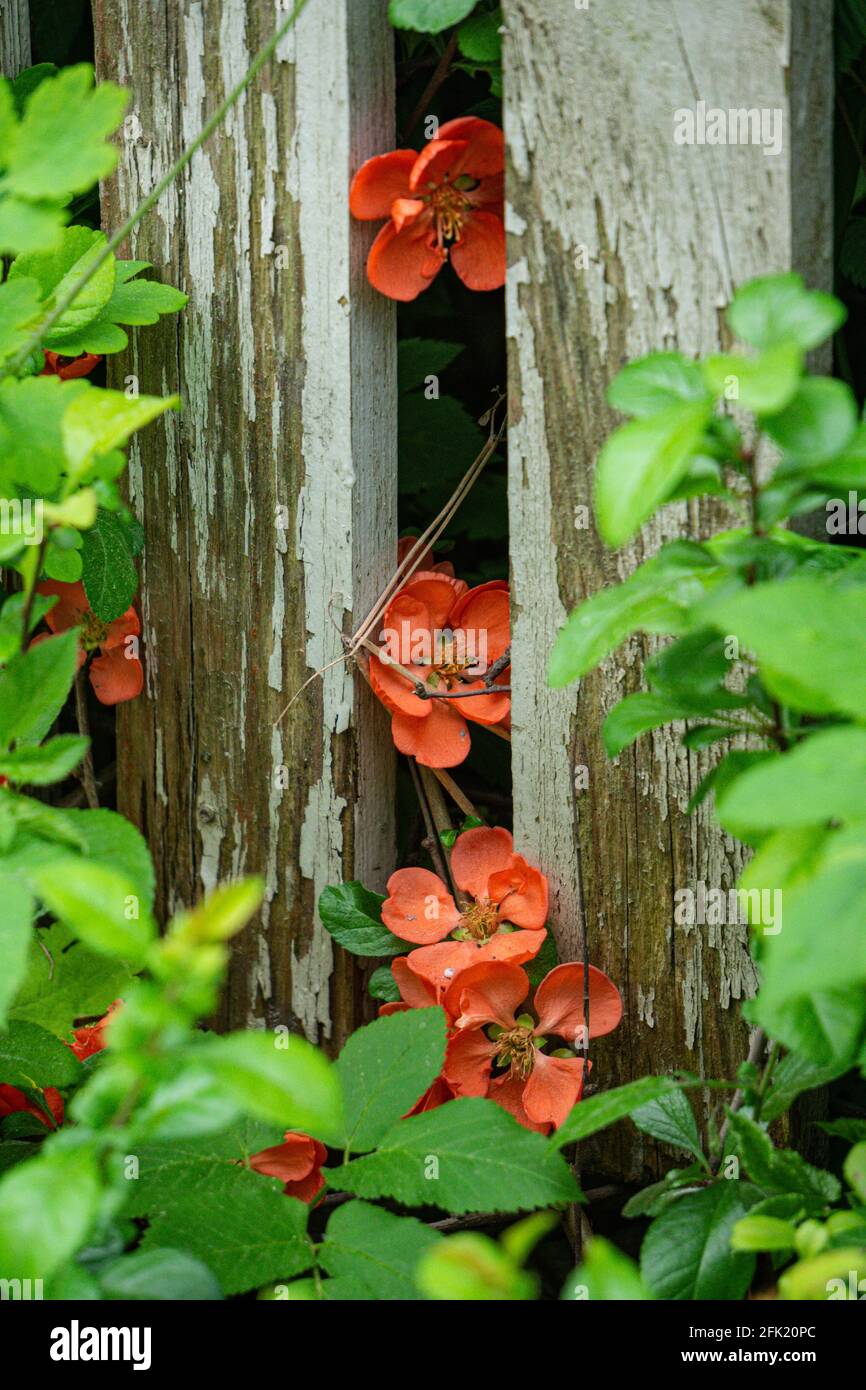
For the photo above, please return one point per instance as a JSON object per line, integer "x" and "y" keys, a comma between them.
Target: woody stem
{"x": 88, "y": 780}
{"x": 435, "y": 817}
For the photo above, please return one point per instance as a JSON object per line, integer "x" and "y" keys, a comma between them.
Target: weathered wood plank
{"x": 14, "y": 36}
{"x": 622, "y": 241}
{"x": 269, "y": 503}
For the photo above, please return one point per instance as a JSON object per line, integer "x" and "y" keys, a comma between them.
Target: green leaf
{"x": 352, "y": 915}
{"x": 468, "y": 1155}
{"x": 793, "y": 1075}
{"x": 758, "y": 1232}
{"x": 633, "y": 716}
{"x": 825, "y": 1277}
{"x": 31, "y": 441}
{"x": 779, "y": 1170}
{"x": 774, "y": 309}
{"x": 47, "y": 1209}
{"x": 60, "y": 147}
{"x": 132, "y": 302}
{"x": 428, "y": 16}
{"x": 281, "y": 1078}
{"x": 641, "y": 464}
{"x": 656, "y": 598}
{"x": 239, "y": 1225}
{"x": 808, "y": 636}
{"x": 50, "y": 762}
{"x": 382, "y": 985}
{"x": 654, "y": 383}
{"x": 478, "y": 37}
{"x": 34, "y": 686}
{"x": 74, "y": 983}
{"x": 188, "y": 1106}
{"x": 817, "y": 423}
{"x": 99, "y": 904}
{"x": 596, "y": 1113}
{"x": 855, "y": 1170}
{"x": 418, "y": 358}
{"x": 385, "y": 1068}
{"x": 606, "y": 1275}
{"x": 223, "y": 913}
{"x": 472, "y": 1268}
{"x": 763, "y": 384}
{"x": 169, "y": 1170}
{"x": 108, "y": 569}
{"x": 20, "y": 308}
{"x": 32, "y": 1057}
{"x": 16, "y": 934}
{"x": 671, "y": 1120}
{"x": 372, "y": 1254}
{"x": 830, "y": 1024}
{"x": 686, "y": 1252}
{"x": 111, "y": 839}
{"x": 98, "y": 421}
{"x": 822, "y": 778}
{"x": 58, "y": 270}
{"x": 160, "y": 1275}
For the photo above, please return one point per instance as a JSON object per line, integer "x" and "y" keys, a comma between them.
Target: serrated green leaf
{"x": 385, "y": 1068}
{"x": 791, "y": 1077}
{"x": 60, "y": 146}
{"x": 468, "y": 1155}
{"x": 16, "y": 934}
{"x": 20, "y": 308}
{"x": 780, "y": 1170}
{"x": 67, "y": 983}
{"x": 99, "y": 421}
{"x": 30, "y": 1056}
{"x": 132, "y": 302}
{"x": 58, "y": 270}
{"x": 239, "y": 1224}
{"x": 686, "y": 1252}
{"x": 372, "y": 1254}
{"x": 31, "y": 439}
{"x": 671, "y": 1120}
{"x": 428, "y": 16}
{"x": 352, "y": 915}
{"x": 108, "y": 569}
{"x": 478, "y": 37}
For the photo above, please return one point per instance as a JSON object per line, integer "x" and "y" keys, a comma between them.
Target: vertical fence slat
{"x": 269, "y": 503}
{"x": 622, "y": 242}
{"x": 14, "y": 36}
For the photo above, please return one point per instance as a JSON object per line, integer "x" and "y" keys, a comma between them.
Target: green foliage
{"x": 372, "y": 1254}
{"x": 686, "y": 1253}
{"x": 352, "y": 915}
{"x": 428, "y": 16}
{"x": 605, "y": 1275}
{"x": 471, "y": 1268}
{"x": 385, "y": 1068}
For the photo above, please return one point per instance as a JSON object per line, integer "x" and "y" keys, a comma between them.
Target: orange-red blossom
{"x": 444, "y": 203}
{"x": 115, "y": 674}
{"x": 441, "y": 627}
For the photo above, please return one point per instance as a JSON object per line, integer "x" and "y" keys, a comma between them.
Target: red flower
{"x": 297, "y": 1162}
{"x": 90, "y": 1039}
{"x": 68, "y": 367}
{"x": 445, "y": 633}
{"x": 501, "y": 891}
{"x": 538, "y": 1088}
{"x": 12, "y": 1101}
{"x": 445, "y": 201}
{"x": 426, "y": 560}
{"x": 115, "y": 675}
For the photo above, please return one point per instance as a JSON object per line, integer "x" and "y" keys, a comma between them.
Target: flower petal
{"x": 378, "y": 182}
{"x": 486, "y": 144}
{"x": 439, "y": 965}
{"x": 507, "y": 1091}
{"x": 486, "y": 610}
{"x": 295, "y": 1158}
{"x": 116, "y": 677}
{"x": 71, "y": 608}
{"x": 440, "y": 161}
{"x": 468, "y": 1062}
{"x": 127, "y": 625}
{"x": 479, "y": 255}
{"x": 559, "y": 1002}
{"x": 440, "y": 740}
{"x": 483, "y": 709}
{"x": 477, "y": 854}
{"x": 553, "y": 1088}
{"x": 514, "y": 946}
{"x": 521, "y": 892}
{"x": 402, "y": 264}
{"x": 394, "y": 690}
{"x": 419, "y": 907}
{"x": 487, "y": 992}
{"x": 439, "y": 592}
{"x": 415, "y": 992}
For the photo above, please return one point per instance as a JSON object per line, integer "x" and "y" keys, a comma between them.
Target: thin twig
{"x": 30, "y": 594}
{"x": 88, "y": 780}
{"x": 454, "y": 792}
{"x": 759, "y": 1042}
{"x": 440, "y": 73}
{"x": 432, "y": 842}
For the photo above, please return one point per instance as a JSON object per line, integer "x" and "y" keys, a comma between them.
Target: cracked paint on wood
{"x": 621, "y": 242}
{"x": 269, "y": 503}
{"x": 14, "y": 36}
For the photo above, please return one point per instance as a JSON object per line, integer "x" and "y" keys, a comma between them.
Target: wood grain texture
{"x": 620, "y": 242}
{"x": 269, "y": 502}
{"x": 14, "y": 36}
